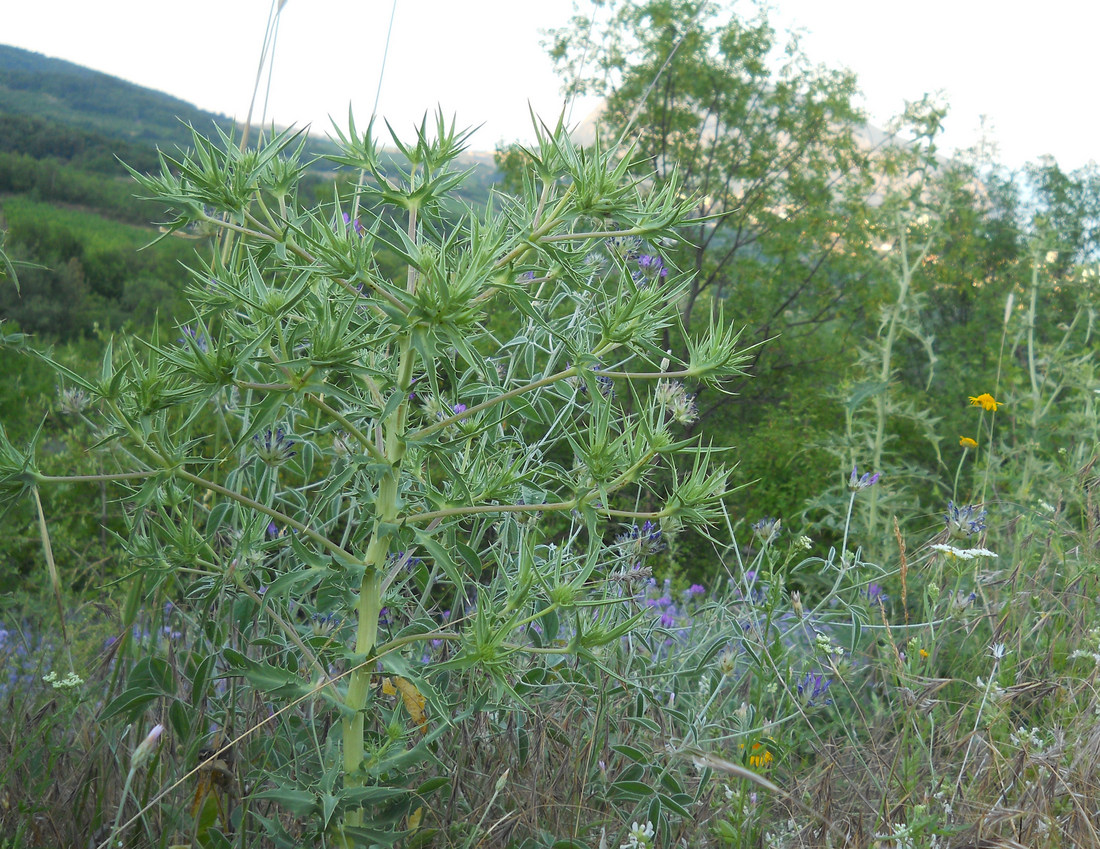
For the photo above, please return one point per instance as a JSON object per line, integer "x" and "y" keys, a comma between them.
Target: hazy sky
{"x": 1027, "y": 67}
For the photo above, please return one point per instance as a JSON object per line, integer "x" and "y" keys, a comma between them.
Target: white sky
{"x": 1028, "y": 67}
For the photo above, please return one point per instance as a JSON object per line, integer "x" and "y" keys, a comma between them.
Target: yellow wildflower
{"x": 923, "y": 653}
{"x": 986, "y": 402}
{"x": 967, "y": 442}
{"x": 759, "y": 756}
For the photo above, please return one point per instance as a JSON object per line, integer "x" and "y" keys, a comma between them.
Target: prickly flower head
{"x": 273, "y": 446}
{"x": 72, "y": 401}
{"x": 767, "y": 529}
{"x": 672, "y": 396}
{"x": 638, "y": 543}
{"x": 623, "y": 247}
{"x": 856, "y": 482}
{"x": 964, "y": 520}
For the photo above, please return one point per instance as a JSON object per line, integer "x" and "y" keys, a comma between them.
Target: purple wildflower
{"x": 856, "y": 482}
{"x": 273, "y": 447}
{"x": 964, "y": 521}
{"x": 355, "y": 226}
{"x": 191, "y": 336}
{"x": 812, "y": 689}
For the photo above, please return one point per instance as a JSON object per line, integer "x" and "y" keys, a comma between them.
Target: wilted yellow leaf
{"x": 414, "y": 701}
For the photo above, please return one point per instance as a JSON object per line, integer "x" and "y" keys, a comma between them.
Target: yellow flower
{"x": 923, "y": 653}
{"x": 967, "y": 442}
{"x": 986, "y": 402}
{"x": 759, "y": 756}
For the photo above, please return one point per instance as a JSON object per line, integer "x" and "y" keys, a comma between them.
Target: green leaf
{"x": 634, "y": 789}
{"x": 268, "y": 678}
{"x": 298, "y": 802}
{"x": 636, "y": 755}
{"x": 441, "y": 556}
{"x": 130, "y": 703}
{"x": 201, "y": 678}
{"x": 678, "y": 802}
{"x": 180, "y": 719}
{"x": 431, "y": 785}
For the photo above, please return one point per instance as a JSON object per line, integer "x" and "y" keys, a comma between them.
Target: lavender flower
{"x": 650, "y": 268}
{"x": 355, "y": 226}
{"x": 812, "y": 689}
{"x": 876, "y": 594}
{"x": 857, "y": 482}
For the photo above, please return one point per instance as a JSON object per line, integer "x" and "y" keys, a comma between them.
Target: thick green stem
{"x": 882, "y": 398}
{"x": 369, "y": 604}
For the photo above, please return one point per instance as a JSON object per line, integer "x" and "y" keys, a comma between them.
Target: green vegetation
{"x": 82, "y": 99}
{"x": 414, "y": 519}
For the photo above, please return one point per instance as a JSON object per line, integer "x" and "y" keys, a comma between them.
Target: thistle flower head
{"x": 673, "y": 397}
{"x": 767, "y": 529}
{"x": 604, "y": 383}
{"x": 639, "y": 543}
{"x": 856, "y": 482}
{"x": 192, "y": 336}
{"x": 72, "y": 401}
{"x": 273, "y": 446}
{"x": 650, "y": 268}
{"x": 623, "y": 247}
{"x": 964, "y": 520}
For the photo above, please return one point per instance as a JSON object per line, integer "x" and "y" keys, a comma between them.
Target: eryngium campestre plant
{"x": 410, "y": 532}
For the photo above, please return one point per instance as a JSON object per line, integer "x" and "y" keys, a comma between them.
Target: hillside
{"x": 68, "y": 204}
{"x": 35, "y": 85}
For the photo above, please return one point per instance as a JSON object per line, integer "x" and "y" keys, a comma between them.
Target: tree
{"x": 787, "y": 178}
{"x": 772, "y": 151}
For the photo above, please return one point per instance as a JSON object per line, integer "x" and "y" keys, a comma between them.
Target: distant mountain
{"x": 53, "y": 108}
{"x": 35, "y": 85}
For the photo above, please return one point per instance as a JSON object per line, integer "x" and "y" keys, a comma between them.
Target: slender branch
{"x": 320, "y": 539}
{"x": 594, "y": 234}
{"x": 484, "y": 405}
{"x": 120, "y": 476}
{"x": 472, "y": 510}
{"x": 348, "y": 426}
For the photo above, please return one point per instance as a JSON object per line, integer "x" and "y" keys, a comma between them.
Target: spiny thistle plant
{"x": 413, "y": 482}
